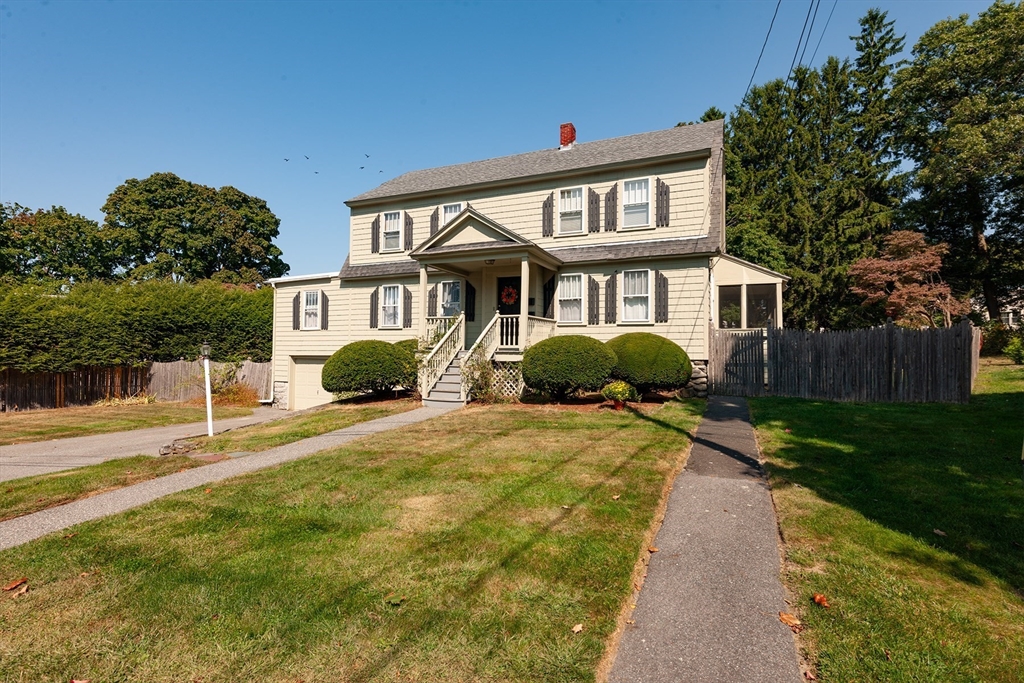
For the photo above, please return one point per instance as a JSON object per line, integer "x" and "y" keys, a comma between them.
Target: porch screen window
{"x": 311, "y": 310}
{"x": 636, "y": 296}
{"x": 451, "y": 211}
{"x": 451, "y": 298}
{"x": 570, "y": 211}
{"x": 570, "y": 299}
{"x": 729, "y": 307}
{"x": 389, "y": 308}
{"x": 392, "y": 231}
{"x": 760, "y": 305}
{"x": 636, "y": 203}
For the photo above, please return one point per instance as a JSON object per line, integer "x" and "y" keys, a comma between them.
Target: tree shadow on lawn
{"x": 913, "y": 468}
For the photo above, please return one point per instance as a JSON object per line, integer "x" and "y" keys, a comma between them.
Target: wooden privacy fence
{"x": 175, "y": 381}
{"x": 882, "y": 364}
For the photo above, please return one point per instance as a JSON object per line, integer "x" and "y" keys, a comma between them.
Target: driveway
{"x": 42, "y": 457}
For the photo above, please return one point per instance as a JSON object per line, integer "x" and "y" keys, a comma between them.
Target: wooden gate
{"x": 736, "y": 363}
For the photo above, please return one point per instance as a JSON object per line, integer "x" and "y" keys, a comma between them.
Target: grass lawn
{"x": 464, "y": 548}
{"x": 61, "y": 423}
{"x": 31, "y": 494}
{"x": 327, "y": 419}
{"x": 861, "y": 490}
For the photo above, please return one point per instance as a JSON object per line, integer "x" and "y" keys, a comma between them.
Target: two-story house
{"x": 596, "y": 238}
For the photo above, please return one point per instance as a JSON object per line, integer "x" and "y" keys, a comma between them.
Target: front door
{"x": 509, "y": 295}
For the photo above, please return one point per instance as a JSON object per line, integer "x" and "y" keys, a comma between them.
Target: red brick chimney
{"x": 567, "y": 137}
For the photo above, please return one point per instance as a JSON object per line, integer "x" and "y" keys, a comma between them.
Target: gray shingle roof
{"x": 388, "y": 269}
{"x": 583, "y": 155}
{"x": 636, "y": 250}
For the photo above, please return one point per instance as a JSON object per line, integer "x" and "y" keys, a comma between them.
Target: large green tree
{"x": 961, "y": 112}
{"x": 53, "y": 245}
{"x": 169, "y": 227}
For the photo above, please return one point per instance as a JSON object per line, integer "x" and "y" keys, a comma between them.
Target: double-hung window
{"x": 393, "y": 231}
{"x": 570, "y": 299}
{"x": 451, "y": 211}
{"x": 636, "y": 296}
{"x": 389, "y": 307}
{"x": 636, "y": 204}
{"x": 311, "y": 310}
{"x": 451, "y": 298}
{"x": 570, "y": 211}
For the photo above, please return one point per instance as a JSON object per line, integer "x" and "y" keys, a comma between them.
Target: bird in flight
{"x": 366, "y": 155}
{"x": 286, "y": 159}
{"x": 305, "y": 156}
{"x": 316, "y": 172}
{"x": 380, "y": 171}
{"x": 361, "y": 168}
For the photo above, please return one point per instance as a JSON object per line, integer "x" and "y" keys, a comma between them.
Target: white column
{"x": 524, "y": 301}
{"x": 422, "y": 324}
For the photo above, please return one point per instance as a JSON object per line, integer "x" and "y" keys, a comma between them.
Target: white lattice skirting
{"x": 508, "y": 379}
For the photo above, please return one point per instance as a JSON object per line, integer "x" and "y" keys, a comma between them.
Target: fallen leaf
{"x": 789, "y": 431}
{"x": 820, "y": 599}
{"x": 81, "y": 680}
{"x": 84, "y": 574}
{"x": 207, "y": 490}
{"x": 565, "y": 507}
{"x": 938, "y": 532}
{"x": 396, "y": 601}
{"x": 636, "y": 586}
{"x": 14, "y": 584}
{"x": 789, "y": 619}
{"x": 652, "y": 549}
{"x": 630, "y": 621}
{"x": 20, "y": 591}
{"x": 67, "y": 536}
{"x": 809, "y": 675}
{"x": 129, "y": 472}
{"x": 615, "y": 497}
{"x": 577, "y": 628}
{"x": 888, "y": 656}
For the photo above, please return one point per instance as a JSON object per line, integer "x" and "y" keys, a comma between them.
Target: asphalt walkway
{"x": 43, "y": 457}
{"x": 709, "y": 607}
{"x": 20, "y": 530}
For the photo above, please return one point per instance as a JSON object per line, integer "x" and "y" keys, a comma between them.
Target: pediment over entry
{"x": 468, "y": 228}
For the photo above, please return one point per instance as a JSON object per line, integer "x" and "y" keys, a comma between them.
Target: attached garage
{"x": 306, "y": 390}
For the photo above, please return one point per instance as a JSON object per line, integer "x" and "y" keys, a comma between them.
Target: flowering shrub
{"x": 620, "y": 391}
{"x": 1015, "y": 350}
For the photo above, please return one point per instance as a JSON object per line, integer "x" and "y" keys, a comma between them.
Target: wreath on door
{"x": 509, "y": 295}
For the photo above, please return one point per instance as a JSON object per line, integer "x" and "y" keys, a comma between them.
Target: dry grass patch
{"x": 419, "y": 554}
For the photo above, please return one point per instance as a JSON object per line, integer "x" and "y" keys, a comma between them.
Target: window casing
{"x": 451, "y": 298}
{"x": 730, "y": 311}
{"x": 311, "y": 310}
{"x": 636, "y": 203}
{"x": 393, "y": 231}
{"x": 747, "y": 307}
{"x": 389, "y": 306}
{"x": 570, "y": 298}
{"x": 760, "y": 305}
{"x": 450, "y": 211}
{"x": 636, "y": 296}
{"x": 570, "y": 211}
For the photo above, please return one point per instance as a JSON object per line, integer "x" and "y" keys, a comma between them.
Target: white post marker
{"x": 209, "y": 400}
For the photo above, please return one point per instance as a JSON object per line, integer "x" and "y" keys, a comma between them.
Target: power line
{"x": 749, "y": 83}
{"x": 823, "y": 31}
{"x": 810, "y": 30}
{"x": 799, "y": 41}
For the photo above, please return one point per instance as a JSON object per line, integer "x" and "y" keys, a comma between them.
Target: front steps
{"x": 448, "y": 390}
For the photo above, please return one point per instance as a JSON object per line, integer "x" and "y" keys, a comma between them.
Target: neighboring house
{"x": 596, "y": 238}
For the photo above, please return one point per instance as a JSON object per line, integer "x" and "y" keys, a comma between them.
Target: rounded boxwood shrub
{"x": 649, "y": 361}
{"x": 563, "y": 365}
{"x": 369, "y": 365}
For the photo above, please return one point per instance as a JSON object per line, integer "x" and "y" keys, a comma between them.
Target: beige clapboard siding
{"x": 519, "y": 209}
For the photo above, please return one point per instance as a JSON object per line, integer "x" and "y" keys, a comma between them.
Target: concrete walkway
{"x": 43, "y": 457}
{"x": 709, "y": 607}
{"x": 20, "y": 530}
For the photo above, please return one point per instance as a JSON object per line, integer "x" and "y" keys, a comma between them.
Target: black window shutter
{"x": 593, "y": 211}
{"x": 611, "y": 209}
{"x": 406, "y": 307}
{"x": 548, "y": 219}
{"x": 660, "y": 297}
{"x": 593, "y": 301}
{"x": 374, "y": 308}
{"x": 549, "y": 298}
{"x": 611, "y": 299}
{"x": 408, "y": 232}
{"x": 470, "y": 302}
{"x": 435, "y": 222}
{"x": 375, "y": 235}
{"x": 662, "y": 206}
{"x": 432, "y": 302}
{"x": 296, "y": 312}
{"x": 323, "y": 310}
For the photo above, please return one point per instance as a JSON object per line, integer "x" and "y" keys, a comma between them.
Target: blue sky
{"x": 220, "y": 93}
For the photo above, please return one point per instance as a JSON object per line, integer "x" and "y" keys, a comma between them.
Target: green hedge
{"x": 46, "y": 330}
{"x": 649, "y": 361}
{"x": 563, "y": 365}
{"x": 368, "y": 365}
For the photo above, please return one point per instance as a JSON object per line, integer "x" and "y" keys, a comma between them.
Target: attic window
{"x": 451, "y": 211}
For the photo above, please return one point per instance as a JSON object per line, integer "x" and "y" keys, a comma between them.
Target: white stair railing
{"x": 441, "y": 356}
{"x": 437, "y": 326}
{"x": 538, "y": 329}
{"x": 508, "y": 331}
{"x": 482, "y": 350}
